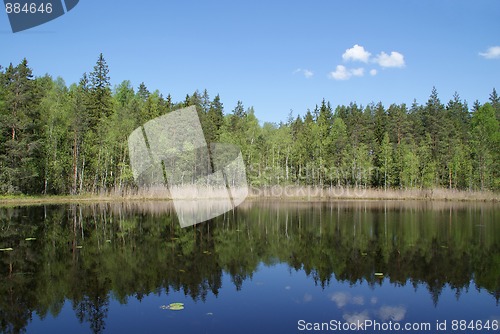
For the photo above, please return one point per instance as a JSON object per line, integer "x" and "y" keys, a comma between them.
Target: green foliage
{"x": 56, "y": 139}
{"x": 486, "y": 147}
{"x": 386, "y": 164}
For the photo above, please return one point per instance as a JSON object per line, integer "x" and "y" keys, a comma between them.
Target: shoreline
{"x": 276, "y": 193}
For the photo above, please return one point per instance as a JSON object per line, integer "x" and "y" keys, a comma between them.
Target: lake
{"x": 265, "y": 267}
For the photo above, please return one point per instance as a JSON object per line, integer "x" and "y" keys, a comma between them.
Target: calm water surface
{"x": 267, "y": 267}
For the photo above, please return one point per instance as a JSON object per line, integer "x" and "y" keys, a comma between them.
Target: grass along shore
{"x": 275, "y": 192}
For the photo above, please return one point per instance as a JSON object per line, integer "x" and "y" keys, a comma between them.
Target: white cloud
{"x": 306, "y": 73}
{"x": 307, "y": 298}
{"x": 356, "y": 53}
{"x": 395, "y": 59}
{"x": 384, "y": 60}
{"x": 491, "y": 53}
{"x": 340, "y": 73}
{"x": 358, "y": 72}
{"x": 343, "y": 73}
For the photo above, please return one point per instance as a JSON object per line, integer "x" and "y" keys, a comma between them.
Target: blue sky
{"x": 275, "y": 55}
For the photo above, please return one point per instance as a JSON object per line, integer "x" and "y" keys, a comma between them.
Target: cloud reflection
{"x": 358, "y": 318}
{"x": 394, "y": 313}
{"x": 341, "y": 299}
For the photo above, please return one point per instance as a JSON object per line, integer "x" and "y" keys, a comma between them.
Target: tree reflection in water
{"x": 87, "y": 254}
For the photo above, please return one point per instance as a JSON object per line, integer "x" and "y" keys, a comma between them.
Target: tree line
{"x": 59, "y": 139}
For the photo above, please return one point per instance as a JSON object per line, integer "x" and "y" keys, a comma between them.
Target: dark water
{"x": 266, "y": 267}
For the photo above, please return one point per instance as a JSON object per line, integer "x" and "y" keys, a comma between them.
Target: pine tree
{"x": 397, "y": 122}
{"x": 495, "y": 103}
{"x": 324, "y": 125}
{"x": 458, "y": 114}
{"x": 21, "y": 120}
{"x": 379, "y": 123}
{"x": 439, "y": 127}
{"x": 100, "y": 109}
{"x": 142, "y": 92}
{"x": 169, "y": 103}
{"x": 100, "y": 103}
{"x": 205, "y": 101}
{"x": 427, "y": 166}
{"x": 236, "y": 117}
{"x": 215, "y": 120}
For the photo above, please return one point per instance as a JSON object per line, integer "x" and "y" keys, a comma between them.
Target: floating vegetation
{"x": 30, "y": 239}
{"x": 173, "y": 306}
{"x": 6, "y": 249}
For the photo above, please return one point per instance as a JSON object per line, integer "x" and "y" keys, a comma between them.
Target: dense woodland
{"x": 56, "y": 139}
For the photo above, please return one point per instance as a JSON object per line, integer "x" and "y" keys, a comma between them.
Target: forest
{"x": 59, "y": 139}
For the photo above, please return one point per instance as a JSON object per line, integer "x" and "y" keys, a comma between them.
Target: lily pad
{"x": 30, "y": 239}
{"x": 6, "y": 249}
{"x": 173, "y": 306}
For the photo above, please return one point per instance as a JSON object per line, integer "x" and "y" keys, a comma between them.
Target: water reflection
{"x": 91, "y": 254}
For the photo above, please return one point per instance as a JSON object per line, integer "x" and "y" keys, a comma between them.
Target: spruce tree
{"x": 495, "y": 103}
{"x": 100, "y": 103}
